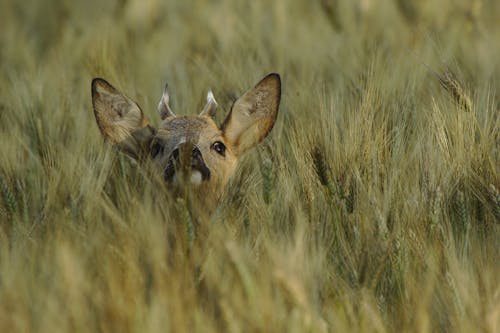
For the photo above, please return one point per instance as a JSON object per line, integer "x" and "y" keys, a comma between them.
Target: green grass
{"x": 372, "y": 207}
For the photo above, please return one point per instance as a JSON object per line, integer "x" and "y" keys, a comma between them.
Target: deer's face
{"x": 193, "y": 150}
{"x": 189, "y": 150}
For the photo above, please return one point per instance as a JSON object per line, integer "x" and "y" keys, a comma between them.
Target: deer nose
{"x": 187, "y": 157}
{"x": 195, "y": 154}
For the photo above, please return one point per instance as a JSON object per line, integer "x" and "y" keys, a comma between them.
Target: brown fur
{"x": 250, "y": 120}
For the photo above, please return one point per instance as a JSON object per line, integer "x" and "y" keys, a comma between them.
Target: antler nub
{"x": 163, "y": 107}
{"x": 211, "y": 106}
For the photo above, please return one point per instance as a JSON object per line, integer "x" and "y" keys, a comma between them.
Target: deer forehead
{"x": 188, "y": 128}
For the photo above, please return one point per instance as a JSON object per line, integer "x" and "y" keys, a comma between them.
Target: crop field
{"x": 372, "y": 206}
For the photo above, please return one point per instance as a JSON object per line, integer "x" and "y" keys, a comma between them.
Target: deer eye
{"x": 219, "y": 147}
{"x": 155, "y": 149}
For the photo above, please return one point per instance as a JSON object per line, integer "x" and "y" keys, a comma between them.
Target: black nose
{"x": 196, "y": 163}
{"x": 195, "y": 155}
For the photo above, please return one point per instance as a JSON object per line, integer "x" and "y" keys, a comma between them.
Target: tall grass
{"x": 372, "y": 207}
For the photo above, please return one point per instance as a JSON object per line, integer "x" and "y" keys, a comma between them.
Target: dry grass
{"x": 373, "y": 206}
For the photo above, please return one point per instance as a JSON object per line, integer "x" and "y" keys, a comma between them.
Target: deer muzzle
{"x": 186, "y": 166}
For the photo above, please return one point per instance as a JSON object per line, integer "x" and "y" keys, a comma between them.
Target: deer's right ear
{"x": 120, "y": 119}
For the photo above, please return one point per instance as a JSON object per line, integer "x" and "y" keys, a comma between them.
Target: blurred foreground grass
{"x": 373, "y": 207}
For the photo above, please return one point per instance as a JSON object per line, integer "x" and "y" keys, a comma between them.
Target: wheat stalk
{"x": 452, "y": 85}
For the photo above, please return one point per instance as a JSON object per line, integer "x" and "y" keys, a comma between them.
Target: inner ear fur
{"x": 117, "y": 115}
{"x": 120, "y": 120}
{"x": 253, "y": 115}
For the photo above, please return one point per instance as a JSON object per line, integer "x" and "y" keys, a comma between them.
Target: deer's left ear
{"x": 253, "y": 114}
{"x": 120, "y": 119}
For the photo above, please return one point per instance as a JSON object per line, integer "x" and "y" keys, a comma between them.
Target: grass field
{"x": 373, "y": 206}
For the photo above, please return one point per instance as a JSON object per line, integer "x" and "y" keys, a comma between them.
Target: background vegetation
{"x": 372, "y": 207}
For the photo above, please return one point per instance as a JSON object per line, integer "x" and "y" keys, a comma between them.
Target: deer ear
{"x": 120, "y": 119}
{"x": 253, "y": 115}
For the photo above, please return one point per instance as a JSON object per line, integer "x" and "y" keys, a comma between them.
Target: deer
{"x": 186, "y": 150}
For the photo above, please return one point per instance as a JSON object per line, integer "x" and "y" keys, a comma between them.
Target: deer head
{"x": 190, "y": 150}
